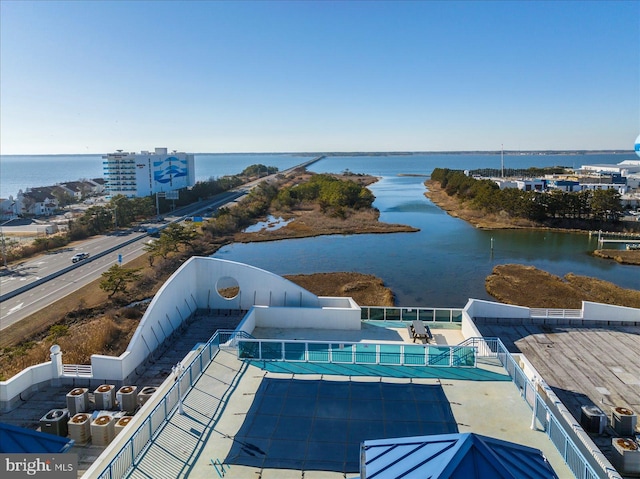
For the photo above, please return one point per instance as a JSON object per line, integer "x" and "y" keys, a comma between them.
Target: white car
{"x": 79, "y": 257}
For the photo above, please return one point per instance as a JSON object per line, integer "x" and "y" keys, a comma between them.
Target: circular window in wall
{"x": 228, "y": 287}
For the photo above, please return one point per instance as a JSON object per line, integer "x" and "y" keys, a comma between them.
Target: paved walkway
{"x": 179, "y": 444}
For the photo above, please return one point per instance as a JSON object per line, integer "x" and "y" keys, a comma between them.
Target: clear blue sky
{"x": 267, "y": 76}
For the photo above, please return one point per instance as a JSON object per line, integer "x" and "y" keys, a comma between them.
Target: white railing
{"x": 77, "y": 370}
{"x": 555, "y": 313}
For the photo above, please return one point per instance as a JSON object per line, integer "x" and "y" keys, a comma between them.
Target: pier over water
{"x": 615, "y": 237}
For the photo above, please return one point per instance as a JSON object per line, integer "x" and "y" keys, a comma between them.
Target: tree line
{"x": 121, "y": 212}
{"x": 334, "y": 195}
{"x": 483, "y": 194}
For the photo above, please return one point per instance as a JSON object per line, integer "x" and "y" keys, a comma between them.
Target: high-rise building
{"x": 147, "y": 173}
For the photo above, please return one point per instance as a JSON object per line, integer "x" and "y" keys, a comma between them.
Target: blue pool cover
{"x": 320, "y": 425}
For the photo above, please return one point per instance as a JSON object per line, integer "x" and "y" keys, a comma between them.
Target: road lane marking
{"x": 15, "y": 308}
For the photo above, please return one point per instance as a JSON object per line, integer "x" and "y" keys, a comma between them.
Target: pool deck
{"x": 216, "y": 407}
{"x": 369, "y": 333}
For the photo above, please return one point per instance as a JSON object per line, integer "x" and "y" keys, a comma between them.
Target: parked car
{"x": 79, "y": 257}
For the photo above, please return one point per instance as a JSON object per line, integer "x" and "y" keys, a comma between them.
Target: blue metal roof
{"x": 19, "y": 440}
{"x": 452, "y": 456}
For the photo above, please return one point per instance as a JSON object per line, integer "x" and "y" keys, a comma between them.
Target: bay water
{"x": 447, "y": 261}
{"x": 442, "y": 265}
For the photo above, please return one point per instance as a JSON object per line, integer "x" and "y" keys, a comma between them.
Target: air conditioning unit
{"x": 127, "y": 397}
{"x": 145, "y": 393}
{"x": 122, "y": 423}
{"x": 102, "y": 430}
{"x": 624, "y": 421}
{"x": 55, "y": 422}
{"x": 593, "y": 419}
{"x": 105, "y": 397}
{"x": 626, "y": 455}
{"x": 78, "y": 401}
{"x": 79, "y": 428}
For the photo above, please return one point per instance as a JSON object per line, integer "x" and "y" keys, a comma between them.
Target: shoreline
{"x": 308, "y": 221}
{"x": 453, "y": 207}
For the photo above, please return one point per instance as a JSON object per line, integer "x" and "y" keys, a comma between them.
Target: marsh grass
{"x": 534, "y": 288}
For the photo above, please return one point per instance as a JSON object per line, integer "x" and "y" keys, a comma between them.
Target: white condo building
{"x": 147, "y": 173}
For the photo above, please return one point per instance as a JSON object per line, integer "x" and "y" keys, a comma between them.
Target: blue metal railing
{"x": 140, "y": 439}
{"x": 399, "y": 354}
{"x": 550, "y": 420}
{"x": 464, "y": 354}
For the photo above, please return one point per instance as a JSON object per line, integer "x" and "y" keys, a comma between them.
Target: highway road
{"x": 49, "y": 269}
{"x": 23, "y": 305}
{"x": 32, "y": 285}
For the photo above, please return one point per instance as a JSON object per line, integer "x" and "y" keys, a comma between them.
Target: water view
{"x": 444, "y": 264}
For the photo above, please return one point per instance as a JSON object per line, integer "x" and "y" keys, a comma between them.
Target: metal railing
{"x": 77, "y": 370}
{"x": 432, "y": 315}
{"x": 140, "y": 439}
{"x": 555, "y": 313}
{"x": 551, "y": 421}
{"x": 357, "y": 353}
{"x": 464, "y": 354}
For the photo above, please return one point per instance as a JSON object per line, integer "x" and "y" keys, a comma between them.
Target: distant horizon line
{"x": 364, "y": 153}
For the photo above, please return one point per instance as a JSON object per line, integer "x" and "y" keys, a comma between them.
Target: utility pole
{"x": 502, "y": 159}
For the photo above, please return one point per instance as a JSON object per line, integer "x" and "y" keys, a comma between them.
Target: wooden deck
{"x": 584, "y": 366}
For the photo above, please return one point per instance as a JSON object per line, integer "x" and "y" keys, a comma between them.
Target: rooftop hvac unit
{"x": 102, "y": 430}
{"x": 145, "y": 393}
{"x": 121, "y": 424}
{"x": 626, "y": 455}
{"x": 127, "y": 397}
{"x": 105, "y": 397}
{"x": 593, "y": 419}
{"x": 623, "y": 421}
{"x": 55, "y": 422}
{"x": 79, "y": 428}
{"x": 78, "y": 400}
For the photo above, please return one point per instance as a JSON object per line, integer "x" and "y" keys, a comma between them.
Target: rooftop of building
{"x": 253, "y": 414}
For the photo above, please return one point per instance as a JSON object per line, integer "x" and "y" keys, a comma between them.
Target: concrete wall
{"x": 195, "y": 286}
{"x": 609, "y": 313}
{"x": 468, "y": 327}
{"x": 24, "y": 384}
{"x": 257, "y": 286}
{"x": 477, "y": 308}
{"x": 312, "y": 318}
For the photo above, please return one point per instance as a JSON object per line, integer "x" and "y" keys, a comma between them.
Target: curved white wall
{"x": 192, "y": 287}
